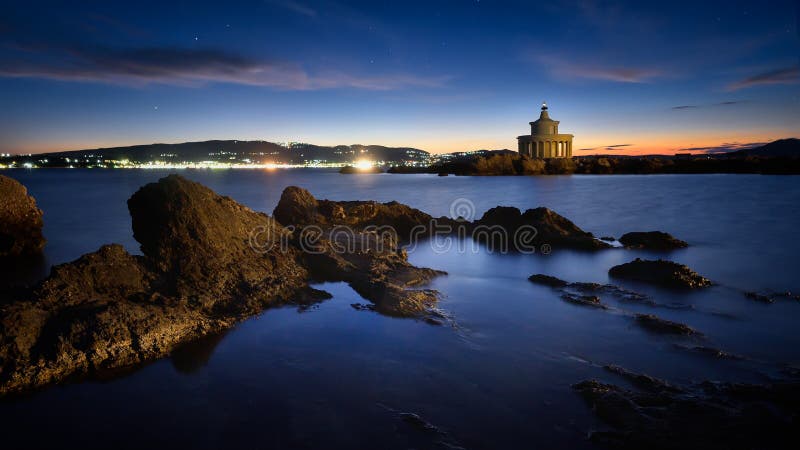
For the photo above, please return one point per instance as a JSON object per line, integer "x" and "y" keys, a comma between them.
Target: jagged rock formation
{"x": 20, "y": 221}
{"x": 366, "y": 254}
{"x": 551, "y": 228}
{"x": 201, "y": 273}
{"x": 651, "y": 240}
{"x": 659, "y": 415}
{"x": 660, "y": 272}
{"x": 300, "y": 208}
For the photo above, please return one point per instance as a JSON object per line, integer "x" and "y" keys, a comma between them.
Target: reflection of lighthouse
{"x": 544, "y": 140}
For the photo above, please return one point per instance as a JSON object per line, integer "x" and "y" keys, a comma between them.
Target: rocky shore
{"x": 199, "y": 273}
{"x": 21, "y": 231}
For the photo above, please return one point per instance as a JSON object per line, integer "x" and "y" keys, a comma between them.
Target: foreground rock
{"x": 590, "y": 289}
{"x": 651, "y": 240}
{"x": 707, "y": 415}
{"x": 355, "y": 242}
{"x": 660, "y": 272}
{"x": 201, "y": 272}
{"x": 20, "y": 221}
{"x": 109, "y": 309}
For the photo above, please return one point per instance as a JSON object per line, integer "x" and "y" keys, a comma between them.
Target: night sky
{"x": 624, "y": 77}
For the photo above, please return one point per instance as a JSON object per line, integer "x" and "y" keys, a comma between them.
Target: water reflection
{"x": 193, "y": 356}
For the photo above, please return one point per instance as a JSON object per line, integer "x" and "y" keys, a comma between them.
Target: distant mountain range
{"x": 781, "y": 147}
{"x": 243, "y": 152}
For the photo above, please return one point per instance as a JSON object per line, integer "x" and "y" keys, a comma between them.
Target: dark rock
{"x": 642, "y": 381}
{"x": 608, "y": 238}
{"x": 651, "y": 240}
{"x": 298, "y": 207}
{"x": 706, "y": 415}
{"x": 583, "y": 300}
{"x": 201, "y": 243}
{"x": 710, "y": 351}
{"x": 660, "y": 272}
{"x": 20, "y": 221}
{"x": 418, "y": 422}
{"x": 547, "y": 280}
{"x": 109, "y": 310}
{"x": 759, "y": 297}
{"x": 550, "y": 228}
{"x": 654, "y": 323}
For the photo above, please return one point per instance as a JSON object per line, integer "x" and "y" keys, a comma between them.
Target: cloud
{"x": 727, "y": 103}
{"x": 607, "y": 147}
{"x": 297, "y": 7}
{"x": 725, "y": 148}
{"x": 560, "y": 68}
{"x": 785, "y": 75}
{"x": 194, "y": 67}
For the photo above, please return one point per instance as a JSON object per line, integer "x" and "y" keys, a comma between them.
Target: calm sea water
{"x": 334, "y": 377}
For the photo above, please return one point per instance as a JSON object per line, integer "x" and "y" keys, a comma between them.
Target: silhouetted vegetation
{"x": 506, "y": 164}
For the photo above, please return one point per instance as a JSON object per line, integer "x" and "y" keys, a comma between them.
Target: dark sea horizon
{"x": 499, "y": 377}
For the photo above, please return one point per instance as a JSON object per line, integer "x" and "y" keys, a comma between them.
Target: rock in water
{"x": 547, "y": 280}
{"x": 659, "y": 325}
{"x": 550, "y": 228}
{"x": 340, "y": 243}
{"x": 298, "y": 207}
{"x": 660, "y": 272}
{"x": 20, "y": 221}
{"x": 651, "y": 240}
{"x": 704, "y": 415}
{"x": 109, "y": 309}
{"x": 212, "y": 249}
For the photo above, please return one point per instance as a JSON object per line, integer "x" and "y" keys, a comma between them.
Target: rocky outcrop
{"x": 299, "y": 208}
{"x": 356, "y": 242}
{"x": 20, "y": 221}
{"x": 547, "y": 280}
{"x": 660, "y": 272}
{"x": 707, "y": 415}
{"x": 550, "y": 228}
{"x": 201, "y": 272}
{"x": 202, "y": 244}
{"x": 651, "y": 240}
{"x": 656, "y": 324}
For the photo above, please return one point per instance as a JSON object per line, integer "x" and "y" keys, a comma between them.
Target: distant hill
{"x": 781, "y": 147}
{"x": 241, "y": 152}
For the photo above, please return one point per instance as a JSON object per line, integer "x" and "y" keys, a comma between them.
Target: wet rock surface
{"x": 651, "y": 240}
{"x": 20, "y": 221}
{"x": 706, "y": 415}
{"x": 660, "y": 272}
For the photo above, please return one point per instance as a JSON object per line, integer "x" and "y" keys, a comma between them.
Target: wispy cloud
{"x": 294, "y": 6}
{"x": 727, "y": 103}
{"x": 191, "y": 67}
{"x": 620, "y": 73}
{"x": 785, "y": 75}
{"x": 725, "y": 148}
{"x": 607, "y": 147}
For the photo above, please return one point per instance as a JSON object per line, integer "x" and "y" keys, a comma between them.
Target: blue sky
{"x": 624, "y": 77}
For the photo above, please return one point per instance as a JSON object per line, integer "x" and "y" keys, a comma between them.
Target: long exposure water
{"x": 500, "y": 377}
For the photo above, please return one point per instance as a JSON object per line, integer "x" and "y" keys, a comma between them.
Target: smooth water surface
{"x": 334, "y": 377}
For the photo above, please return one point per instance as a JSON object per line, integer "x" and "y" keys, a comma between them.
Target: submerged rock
{"x": 654, "y": 323}
{"x": 651, "y": 240}
{"x": 705, "y": 415}
{"x": 660, "y": 272}
{"x": 547, "y": 280}
{"x": 20, "y": 221}
{"x": 583, "y": 300}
